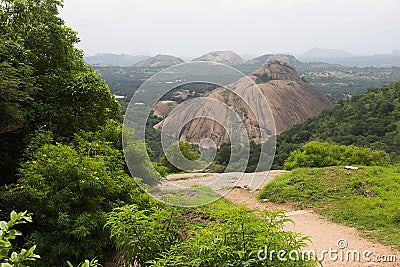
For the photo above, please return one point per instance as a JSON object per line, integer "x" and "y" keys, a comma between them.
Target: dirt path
{"x": 323, "y": 233}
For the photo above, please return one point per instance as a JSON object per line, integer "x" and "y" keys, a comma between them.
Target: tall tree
{"x": 44, "y": 80}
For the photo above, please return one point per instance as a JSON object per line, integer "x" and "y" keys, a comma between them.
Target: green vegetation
{"x": 62, "y": 159}
{"x": 44, "y": 81}
{"x": 220, "y": 234}
{"x": 9, "y": 258}
{"x": 86, "y": 263}
{"x": 343, "y": 82}
{"x": 260, "y": 157}
{"x": 70, "y": 188}
{"x": 317, "y": 154}
{"x": 188, "y": 151}
{"x": 367, "y": 199}
{"x": 368, "y": 120}
{"x": 60, "y": 135}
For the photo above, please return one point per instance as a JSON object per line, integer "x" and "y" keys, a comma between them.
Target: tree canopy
{"x": 44, "y": 81}
{"x": 367, "y": 120}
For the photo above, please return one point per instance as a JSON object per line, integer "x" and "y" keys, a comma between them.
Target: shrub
{"x": 324, "y": 154}
{"x": 8, "y": 258}
{"x": 187, "y": 150}
{"x": 70, "y": 189}
{"x": 216, "y": 235}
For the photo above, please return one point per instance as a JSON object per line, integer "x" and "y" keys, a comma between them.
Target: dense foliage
{"x": 60, "y": 135}
{"x": 44, "y": 80}
{"x": 318, "y": 154}
{"x": 367, "y": 198}
{"x": 70, "y": 188}
{"x": 220, "y": 234}
{"x": 368, "y": 120}
{"x": 8, "y": 257}
{"x": 188, "y": 151}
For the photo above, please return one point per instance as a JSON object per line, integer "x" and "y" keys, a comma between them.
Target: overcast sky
{"x": 189, "y": 28}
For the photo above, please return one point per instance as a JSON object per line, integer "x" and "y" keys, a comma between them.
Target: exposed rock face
{"x": 163, "y": 108}
{"x": 276, "y": 70}
{"x": 159, "y": 61}
{"x": 224, "y": 57}
{"x": 291, "y": 101}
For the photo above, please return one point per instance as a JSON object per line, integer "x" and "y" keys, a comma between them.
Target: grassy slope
{"x": 368, "y": 198}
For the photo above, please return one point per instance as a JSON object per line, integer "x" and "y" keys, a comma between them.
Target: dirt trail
{"x": 323, "y": 233}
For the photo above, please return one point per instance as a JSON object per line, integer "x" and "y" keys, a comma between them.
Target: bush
{"x": 187, "y": 150}
{"x": 70, "y": 189}
{"x": 15, "y": 259}
{"x": 8, "y": 258}
{"x": 324, "y": 154}
{"x": 220, "y": 234}
{"x": 142, "y": 234}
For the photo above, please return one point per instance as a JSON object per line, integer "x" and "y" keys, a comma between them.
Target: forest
{"x": 367, "y": 120}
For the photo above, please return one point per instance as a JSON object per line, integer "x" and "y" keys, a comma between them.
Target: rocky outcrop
{"x": 159, "y": 61}
{"x": 224, "y": 57}
{"x": 291, "y": 101}
{"x": 163, "y": 108}
{"x": 276, "y": 70}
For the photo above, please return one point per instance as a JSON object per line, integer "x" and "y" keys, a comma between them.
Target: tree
{"x": 367, "y": 120}
{"x": 70, "y": 189}
{"x": 44, "y": 81}
{"x": 187, "y": 151}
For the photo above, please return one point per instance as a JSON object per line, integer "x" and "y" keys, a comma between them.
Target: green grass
{"x": 191, "y": 197}
{"x": 367, "y": 199}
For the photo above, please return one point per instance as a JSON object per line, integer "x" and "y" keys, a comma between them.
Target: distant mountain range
{"x": 331, "y": 56}
{"x": 325, "y": 53}
{"x": 341, "y": 57}
{"x": 121, "y": 60}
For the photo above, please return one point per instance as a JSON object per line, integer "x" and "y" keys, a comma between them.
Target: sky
{"x": 190, "y": 28}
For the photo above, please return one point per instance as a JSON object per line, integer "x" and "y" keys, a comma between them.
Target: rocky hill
{"x": 159, "y": 61}
{"x": 262, "y": 60}
{"x": 290, "y": 98}
{"x": 224, "y": 57}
